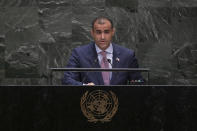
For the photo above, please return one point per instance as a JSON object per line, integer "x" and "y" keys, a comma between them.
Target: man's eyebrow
{"x": 101, "y": 30}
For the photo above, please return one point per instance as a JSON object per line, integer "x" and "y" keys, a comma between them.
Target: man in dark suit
{"x": 101, "y": 53}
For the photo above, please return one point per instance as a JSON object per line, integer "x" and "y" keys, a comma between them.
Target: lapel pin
{"x": 117, "y": 59}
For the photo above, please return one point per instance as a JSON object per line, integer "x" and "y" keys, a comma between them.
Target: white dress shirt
{"x": 109, "y": 55}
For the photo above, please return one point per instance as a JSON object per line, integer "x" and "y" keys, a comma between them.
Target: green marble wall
{"x": 36, "y": 35}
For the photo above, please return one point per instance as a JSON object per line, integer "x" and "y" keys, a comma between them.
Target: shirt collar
{"x": 108, "y": 50}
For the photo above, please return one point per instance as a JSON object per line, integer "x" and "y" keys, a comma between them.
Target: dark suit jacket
{"x": 86, "y": 57}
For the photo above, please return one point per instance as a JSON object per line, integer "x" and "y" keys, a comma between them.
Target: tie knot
{"x": 103, "y": 53}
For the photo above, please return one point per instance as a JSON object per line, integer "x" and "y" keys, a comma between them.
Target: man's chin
{"x": 104, "y": 47}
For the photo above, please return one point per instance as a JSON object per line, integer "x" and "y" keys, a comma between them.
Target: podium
{"x": 58, "y": 108}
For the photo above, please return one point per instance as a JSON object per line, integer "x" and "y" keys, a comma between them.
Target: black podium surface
{"x": 57, "y": 108}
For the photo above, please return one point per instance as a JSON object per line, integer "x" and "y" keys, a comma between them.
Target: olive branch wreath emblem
{"x": 107, "y": 116}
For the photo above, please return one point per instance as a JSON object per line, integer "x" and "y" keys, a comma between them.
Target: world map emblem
{"x": 99, "y": 105}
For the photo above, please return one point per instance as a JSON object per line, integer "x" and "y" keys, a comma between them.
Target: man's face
{"x": 102, "y": 33}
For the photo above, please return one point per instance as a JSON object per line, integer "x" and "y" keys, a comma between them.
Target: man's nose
{"x": 102, "y": 35}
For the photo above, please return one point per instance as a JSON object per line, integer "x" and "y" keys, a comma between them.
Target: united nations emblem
{"x": 99, "y": 105}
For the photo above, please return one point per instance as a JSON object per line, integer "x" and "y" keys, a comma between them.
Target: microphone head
{"x": 109, "y": 60}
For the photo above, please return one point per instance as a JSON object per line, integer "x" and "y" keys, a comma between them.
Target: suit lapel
{"x": 95, "y": 64}
{"x": 116, "y": 59}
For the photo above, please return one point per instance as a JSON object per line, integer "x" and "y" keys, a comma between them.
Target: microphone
{"x": 109, "y": 61}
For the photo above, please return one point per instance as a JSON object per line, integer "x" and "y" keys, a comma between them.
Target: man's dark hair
{"x": 101, "y": 18}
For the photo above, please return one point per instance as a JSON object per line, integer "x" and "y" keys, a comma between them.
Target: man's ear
{"x": 113, "y": 31}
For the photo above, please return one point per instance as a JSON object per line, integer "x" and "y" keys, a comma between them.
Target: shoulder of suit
{"x": 123, "y": 49}
{"x": 83, "y": 47}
